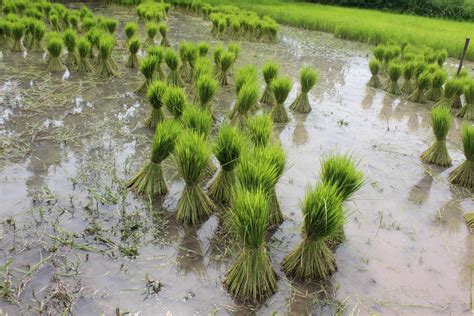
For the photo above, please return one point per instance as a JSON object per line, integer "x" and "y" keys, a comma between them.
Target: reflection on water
{"x": 420, "y": 192}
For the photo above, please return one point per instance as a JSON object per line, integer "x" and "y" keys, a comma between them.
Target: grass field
{"x": 366, "y": 25}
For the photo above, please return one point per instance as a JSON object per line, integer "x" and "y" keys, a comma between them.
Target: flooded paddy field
{"x": 73, "y": 238}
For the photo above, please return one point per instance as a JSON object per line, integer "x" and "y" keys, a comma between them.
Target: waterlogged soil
{"x": 74, "y": 239}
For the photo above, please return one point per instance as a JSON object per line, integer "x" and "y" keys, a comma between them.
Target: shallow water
{"x": 69, "y": 142}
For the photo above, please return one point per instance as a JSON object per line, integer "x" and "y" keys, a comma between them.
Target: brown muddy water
{"x": 74, "y": 239}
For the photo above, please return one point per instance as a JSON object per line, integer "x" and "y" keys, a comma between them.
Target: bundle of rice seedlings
{"x": 456, "y": 101}
{"x": 93, "y": 36}
{"x": 18, "y": 30}
{"x": 227, "y": 148}
{"x": 408, "y": 71}
{"x": 175, "y": 101}
{"x": 281, "y": 88}
{"x": 192, "y": 154}
{"x": 270, "y": 71}
{"x": 55, "y": 47}
{"x": 155, "y": 93}
{"x": 149, "y": 180}
{"x": 106, "y": 66}
{"x": 185, "y": 68}
{"x": 130, "y": 29}
{"x": 151, "y": 31}
{"x": 111, "y": 25}
{"x": 464, "y": 174}
{"x": 422, "y": 84}
{"x": 218, "y": 51}
{"x": 245, "y": 74}
{"x": 251, "y": 277}
{"x": 226, "y": 61}
{"x": 38, "y": 35}
{"x": 437, "y": 153}
{"x": 260, "y": 129}
{"x": 163, "y": 29}
{"x": 133, "y": 47}
{"x": 342, "y": 172}
{"x": 441, "y": 57}
{"x": 235, "y": 49}
{"x": 173, "y": 62}
{"x": 206, "y": 88}
{"x": 147, "y": 68}
{"x": 323, "y": 218}
{"x": 420, "y": 67}
{"x": 203, "y": 49}
{"x": 158, "y": 53}
{"x": 450, "y": 88}
{"x": 308, "y": 78}
{"x": 467, "y": 112}
{"x": 6, "y": 34}
{"x": 374, "y": 66}
{"x": 70, "y": 41}
{"x": 202, "y": 67}
{"x": 246, "y": 100}
{"x": 83, "y": 48}
{"x": 379, "y": 53}
{"x": 394, "y": 73}
{"x": 438, "y": 78}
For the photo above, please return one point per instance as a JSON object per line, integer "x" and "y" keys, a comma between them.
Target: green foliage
{"x": 175, "y": 100}
{"x": 54, "y": 46}
{"x": 270, "y": 71}
{"x": 70, "y": 40}
{"x": 131, "y": 29}
{"x": 206, "y": 88}
{"x": 281, "y": 88}
{"x": 197, "y": 120}
{"x": 260, "y": 129}
{"x": 164, "y": 140}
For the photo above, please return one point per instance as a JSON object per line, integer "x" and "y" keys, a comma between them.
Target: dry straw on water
{"x": 437, "y": 153}
{"x": 308, "y": 78}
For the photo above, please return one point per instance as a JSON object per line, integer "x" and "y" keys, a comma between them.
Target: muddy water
{"x": 75, "y": 238}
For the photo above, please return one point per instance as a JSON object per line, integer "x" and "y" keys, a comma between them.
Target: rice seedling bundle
{"x": 192, "y": 55}
{"x": 422, "y": 84}
{"x": 206, "y": 88}
{"x": 175, "y": 101}
{"x": 394, "y": 73}
{"x": 158, "y": 52}
{"x": 185, "y": 68}
{"x": 464, "y": 174}
{"x": 133, "y": 48}
{"x": 6, "y": 34}
{"x": 441, "y": 57}
{"x": 151, "y": 31}
{"x": 246, "y": 100}
{"x": 93, "y": 36}
{"x": 107, "y": 66}
{"x": 218, "y": 51}
{"x": 408, "y": 71}
{"x": 245, "y": 74}
{"x": 18, "y": 30}
{"x": 150, "y": 180}
{"x": 164, "y": 35}
{"x": 202, "y": 67}
{"x": 111, "y": 25}
{"x": 70, "y": 41}
{"x": 55, "y": 47}
{"x": 323, "y": 218}
{"x": 54, "y": 20}
{"x": 234, "y": 48}
{"x": 281, "y": 88}
{"x": 438, "y": 78}
{"x": 226, "y": 61}
{"x": 38, "y": 35}
{"x": 437, "y": 153}
{"x": 260, "y": 129}
{"x": 73, "y": 20}
{"x": 83, "y": 48}
{"x": 456, "y": 101}
{"x": 374, "y": 66}
{"x": 155, "y": 94}
{"x": 467, "y": 112}
{"x": 173, "y": 62}
{"x": 379, "y": 53}
{"x": 130, "y": 29}
{"x": 251, "y": 277}
{"x": 197, "y": 120}
{"x": 87, "y": 24}
{"x": 270, "y": 71}
{"x": 203, "y": 49}
{"x": 147, "y": 68}
{"x": 29, "y": 30}
{"x": 308, "y": 78}
{"x": 192, "y": 154}
{"x": 227, "y": 149}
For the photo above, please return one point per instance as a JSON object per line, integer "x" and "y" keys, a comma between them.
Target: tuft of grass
{"x": 18, "y": 31}
{"x": 375, "y": 67}
{"x": 206, "y": 88}
{"x": 281, "y": 88}
{"x": 155, "y": 93}
{"x": 107, "y": 66}
{"x": 394, "y": 73}
{"x": 408, "y": 70}
{"x": 173, "y": 62}
{"x": 423, "y": 83}
{"x": 133, "y": 48}
{"x": 151, "y": 31}
{"x": 437, "y": 153}
{"x": 467, "y": 111}
{"x": 226, "y": 60}
{"x": 270, "y": 71}
{"x": 463, "y": 175}
{"x": 308, "y": 78}
{"x": 55, "y": 48}
{"x": 203, "y": 49}
{"x": 175, "y": 101}
{"x": 83, "y": 48}
{"x": 260, "y": 129}
{"x": 147, "y": 68}
{"x": 163, "y": 29}
{"x": 255, "y": 174}
{"x": 197, "y": 120}
{"x": 246, "y": 100}
{"x": 452, "y": 88}
{"x": 438, "y": 78}
{"x": 70, "y": 42}
{"x": 157, "y": 52}
{"x": 38, "y": 35}
{"x": 245, "y": 74}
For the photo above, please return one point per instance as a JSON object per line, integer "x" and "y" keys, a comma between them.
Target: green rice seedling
{"x": 251, "y": 277}
{"x": 173, "y": 62}
{"x": 203, "y": 49}
{"x": 441, "y": 57}
{"x": 111, "y": 25}
{"x": 308, "y": 78}
{"x": 130, "y": 29}
{"x": 155, "y": 93}
{"x": 28, "y": 37}
{"x": 323, "y": 218}
{"x": 133, "y": 48}
{"x": 374, "y": 66}
{"x": 408, "y": 71}
{"x": 270, "y": 71}
{"x": 438, "y": 78}
{"x": 150, "y": 180}
{"x": 6, "y": 34}
{"x": 234, "y": 48}
{"x": 225, "y": 63}
{"x": 163, "y": 29}
{"x": 437, "y": 153}
{"x": 55, "y": 48}
{"x": 227, "y": 148}
{"x": 218, "y": 51}
{"x": 185, "y": 68}
{"x": 255, "y": 174}
{"x": 260, "y": 129}
{"x": 394, "y": 73}
{"x": 467, "y": 111}
{"x": 206, "y": 88}
{"x": 87, "y": 24}
{"x": 73, "y": 20}
{"x": 18, "y": 31}
{"x": 70, "y": 41}
{"x": 93, "y": 36}
{"x": 147, "y": 68}
{"x": 158, "y": 53}
{"x": 175, "y": 101}
{"x": 246, "y": 100}
{"x": 456, "y": 101}
{"x": 420, "y": 67}
{"x": 245, "y": 74}
{"x": 379, "y": 53}
{"x": 464, "y": 174}
{"x": 54, "y": 20}
{"x": 38, "y": 35}
{"x": 423, "y": 84}
{"x": 151, "y": 31}
{"x": 106, "y": 66}
{"x": 281, "y": 89}
{"x": 192, "y": 54}
{"x": 83, "y": 48}
{"x": 192, "y": 154}
{"x": 451, "y": 87}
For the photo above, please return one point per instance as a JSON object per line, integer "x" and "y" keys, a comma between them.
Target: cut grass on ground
{"x": 368, "y": 26}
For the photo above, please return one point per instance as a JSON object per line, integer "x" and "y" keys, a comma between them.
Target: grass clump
{"x": 175, "y": 101}
{"x": 281, "y": 89}
{"x": 375, "y": 67}
{"x": 438, "y": 78}
{"x": 107, "y": 66}
{"x": 437, "y": 153}
{"x": 408, "y": 71}
{"x": 463, "y": 175}
{"x": 158, "y": 53}
{"x": 394, "y": 73}
{"x": 70, "y": 41}
{"x": 467, "y": 112}
{"x": 147, "y": 69}
{"x": 83, "y": 48}
{"x": 246, "y": 100}
{"x": 452, "y": 88}
{"x": 38, "y": 35}
{"x": 226, "y": 60}
{"x": 173, "y": 62}
{"x": 151, "y": 31}
{"x": 270, "y": 71}
{"x": 422, "y": 84}
{"x": 203, "y": 49}
{"x": 130, "y": 29}
{"x": 206, "y": 88}
{"x": 163, "y": 29}
{"x": 133, "y": 48}
{"x": 18, "y": 31}
{"x": 323, "y": 218}
{"x": 308, "y": 78}
{"x": 155, "y": 93}
{"x": 55, "y": 47}
{"x": 227, "y": 149}
{"x": 149, "y": 180}
{"x": 260, "y": 129}
{"x": 192, "y": 154}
